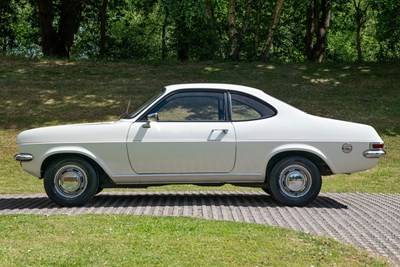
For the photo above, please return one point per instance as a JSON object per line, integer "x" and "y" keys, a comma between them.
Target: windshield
{"x": 145, "y": 104}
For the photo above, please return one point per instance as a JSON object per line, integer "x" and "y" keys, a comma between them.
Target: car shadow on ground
{"x": 162, "y": 200}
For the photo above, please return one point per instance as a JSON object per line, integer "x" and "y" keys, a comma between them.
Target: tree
{"x": 7, "y": 19}
{"x": 103, "y": 25}
{"x": 164, "y": 33}
{"x": 58, "y": 43}
{"x": 232, "y": 31}
{"x": 236, "y": 34}
{"x": 183, "y": 43}
{"x": 193, "y": 32}
{"x": 272, "y": 29}
{"x": 388, "y": 28}
{"x": 318, "y": 19}
{"x": 202, "y": 30}
{"x": 360, "y": 18}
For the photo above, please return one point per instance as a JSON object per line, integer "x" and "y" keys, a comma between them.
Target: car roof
{"x": 221, "y": 86}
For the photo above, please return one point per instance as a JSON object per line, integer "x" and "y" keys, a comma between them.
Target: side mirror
{"x": 153, "y": 117}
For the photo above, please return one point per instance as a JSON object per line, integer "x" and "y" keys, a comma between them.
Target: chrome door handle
{"x": 217, "y": 134}
{"x": 225, "y": 131}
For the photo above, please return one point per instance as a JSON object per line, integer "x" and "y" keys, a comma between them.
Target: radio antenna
{"x": 127, "y": 108}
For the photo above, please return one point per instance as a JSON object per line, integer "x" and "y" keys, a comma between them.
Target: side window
{"x": 192, "y": 106}
{"x": 248, "y": 108}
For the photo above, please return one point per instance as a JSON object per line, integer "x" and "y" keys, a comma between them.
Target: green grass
{"x": 105, "y": 240}
{"x": 50, "y": 92}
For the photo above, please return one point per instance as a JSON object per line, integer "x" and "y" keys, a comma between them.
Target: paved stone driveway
{"x": 369, "y": 221}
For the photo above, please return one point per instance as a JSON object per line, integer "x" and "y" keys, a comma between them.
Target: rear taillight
{"x": 376, "y": 145}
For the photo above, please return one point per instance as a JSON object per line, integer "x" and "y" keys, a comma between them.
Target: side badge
{"x": 347, "y": 148}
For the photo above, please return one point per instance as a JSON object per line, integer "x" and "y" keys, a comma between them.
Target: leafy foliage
{"x": 388, "y": 30}
{"x": 19, "y": 32}
{"x": 198, "y": 30}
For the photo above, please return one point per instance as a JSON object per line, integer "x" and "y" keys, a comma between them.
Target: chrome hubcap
{"x": 70, "y": 181}
{"x": 295, "y": 181}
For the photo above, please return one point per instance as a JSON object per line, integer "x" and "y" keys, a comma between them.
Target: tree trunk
{"x": 272, "y": 30}
{"x": 183, "y": 33}
{"x": 310, "y": 30}
{"x": 254, "y": 52}
{"x": 58, "y": 44}
{"x": 232, "y": 31}
{"x": 360, "y": 20}
{"x": 317, "y": 25}
{"x": 51, "y": 43}
{"x": 209, "y": 8}
{"x": 164, "y": 35}
{"x": 70, "y": 18}
{"x": 323, "y": 26}
{"x": 103, "y": 26}
{"x": 358, "y": 43}
{"x": 211, "y": 16}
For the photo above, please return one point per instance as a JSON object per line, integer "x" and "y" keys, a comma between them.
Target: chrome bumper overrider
{"x": 23, "y": 157}
{"x": 374, "y": 153}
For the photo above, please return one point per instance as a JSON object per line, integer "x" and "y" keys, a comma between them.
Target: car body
{"x": 204, "y": 134}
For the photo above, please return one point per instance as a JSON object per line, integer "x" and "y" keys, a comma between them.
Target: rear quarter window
{"x": 244, "y": 107}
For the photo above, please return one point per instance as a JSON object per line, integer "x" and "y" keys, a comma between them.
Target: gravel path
{"x": 368, "y": 221}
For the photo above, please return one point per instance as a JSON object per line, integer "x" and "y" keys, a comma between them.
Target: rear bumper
{"x": 377, "y": 153}
{"x": 23, "y": 157}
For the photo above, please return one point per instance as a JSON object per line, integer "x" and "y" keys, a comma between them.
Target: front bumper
{"x": 377, "y": 153}
{"x": 23, "y": 157}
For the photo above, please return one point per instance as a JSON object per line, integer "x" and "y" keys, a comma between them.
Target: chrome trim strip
{"x": 374, "y": 153}
{"x": 188, "y": 178}
{"x": 23, "y": 157}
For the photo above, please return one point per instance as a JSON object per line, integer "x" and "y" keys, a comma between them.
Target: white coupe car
{"x": 203, "y": 134}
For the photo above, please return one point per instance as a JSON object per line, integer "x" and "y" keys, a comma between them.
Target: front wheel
{"x": 294, "y": 181}
{"x": 71, "y": 182}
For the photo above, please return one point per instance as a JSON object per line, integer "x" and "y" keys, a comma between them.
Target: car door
{"x": 190, "y": 133}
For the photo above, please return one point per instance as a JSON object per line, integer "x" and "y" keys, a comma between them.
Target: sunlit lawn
{"x": 121, "y": 240}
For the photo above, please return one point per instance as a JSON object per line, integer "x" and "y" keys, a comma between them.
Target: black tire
{"x": 71, "y": 181}
{"x": 294, "y": 181}
{"x": 266, "y": 190}
{"x": 99, "y": 189}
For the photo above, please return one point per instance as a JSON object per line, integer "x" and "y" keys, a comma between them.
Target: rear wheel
{"x": 266, "y": 190}
{"x": 294, "y": 181}
{"x": 71, "y": 182}
{"x": 99, "y": 189}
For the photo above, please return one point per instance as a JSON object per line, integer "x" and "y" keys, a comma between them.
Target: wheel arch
{"x": 102, "y": 174}
{"x": 321, "y": 164}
